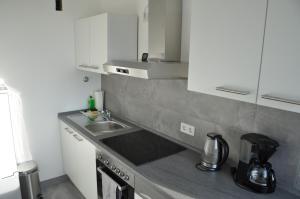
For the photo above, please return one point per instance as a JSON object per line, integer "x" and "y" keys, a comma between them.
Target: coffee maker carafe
{"x": 215, "y": 153}
{"x": 254, "y": 172}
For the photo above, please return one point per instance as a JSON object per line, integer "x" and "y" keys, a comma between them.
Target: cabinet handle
{"x": 78, "y": 138}
{"x": 229, "y": 90}
{"x": 279, "y": 99}
{"x": 69, "y": 131}
{"x": 90, "y": 67}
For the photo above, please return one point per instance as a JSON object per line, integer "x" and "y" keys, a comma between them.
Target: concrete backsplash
{"x": 163, "y": 104}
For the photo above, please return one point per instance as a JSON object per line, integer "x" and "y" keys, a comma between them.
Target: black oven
{"x": 109, "y": 182}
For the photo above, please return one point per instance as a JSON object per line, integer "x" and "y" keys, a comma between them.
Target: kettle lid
{"x": 214, "y": 135}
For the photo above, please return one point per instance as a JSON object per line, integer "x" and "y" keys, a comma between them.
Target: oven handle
{"x": 120, "y": 188}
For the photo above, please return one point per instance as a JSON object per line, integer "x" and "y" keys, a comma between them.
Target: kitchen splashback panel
{"x": 163, "y": 104}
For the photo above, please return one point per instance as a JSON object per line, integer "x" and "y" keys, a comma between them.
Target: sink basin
{"x": 103, "y": 127}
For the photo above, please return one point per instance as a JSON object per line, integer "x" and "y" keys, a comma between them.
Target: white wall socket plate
{"x": 187, "y": 129}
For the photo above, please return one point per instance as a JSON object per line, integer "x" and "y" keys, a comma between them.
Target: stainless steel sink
{"x": 103, "y": 127}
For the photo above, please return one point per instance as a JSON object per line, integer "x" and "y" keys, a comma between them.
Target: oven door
{"x": 110, "y": 186}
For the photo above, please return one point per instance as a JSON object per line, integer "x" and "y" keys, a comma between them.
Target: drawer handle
{"x": 69, "y": 131}
{"x": 90, "y": 67}
{"x": 78, "y": 138}
{"x": 279, "y": 99}
{"x": 229, "y": 90}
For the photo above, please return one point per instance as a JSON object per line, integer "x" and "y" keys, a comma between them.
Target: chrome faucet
{"x": 106, "y": 114}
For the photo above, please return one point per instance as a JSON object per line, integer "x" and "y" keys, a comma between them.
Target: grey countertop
{"x": 175, "y": 176}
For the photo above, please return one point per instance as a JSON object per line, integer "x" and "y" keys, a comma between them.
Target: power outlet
{"x": 187, "y": 129}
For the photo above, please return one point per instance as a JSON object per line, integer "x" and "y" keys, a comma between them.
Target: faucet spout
{"x": 106, "y": 114}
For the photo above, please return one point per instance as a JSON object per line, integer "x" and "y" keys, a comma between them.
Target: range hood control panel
{"x": 120, "y": 70}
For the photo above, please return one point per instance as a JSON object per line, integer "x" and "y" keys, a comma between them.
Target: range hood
{"x": 160, "y": 33}
{"x": 148, "y": 70}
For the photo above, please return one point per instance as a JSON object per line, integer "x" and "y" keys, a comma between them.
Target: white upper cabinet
{"x": 83, "y": 42}
{"x": 105, "y": 37}
{"x": 280, "y": 72}
{"x": 99, "y": 41}
{"x": 225, "y": 47}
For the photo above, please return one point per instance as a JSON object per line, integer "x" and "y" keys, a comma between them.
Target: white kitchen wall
{"x": 119, "y": 6}
{"x": 37, "y": 59}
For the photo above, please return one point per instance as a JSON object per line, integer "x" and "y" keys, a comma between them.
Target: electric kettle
{"x": 215, "y": 153}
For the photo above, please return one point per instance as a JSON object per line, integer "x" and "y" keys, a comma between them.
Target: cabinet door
{"x": 82, "y": 41}
{"x": 226, "y": 46}
{"x": 79, "y": 158}
{"x": 66, "y": 143}
{"x": 86, "y": 174}
{"x": 98, "y": 41}
{"x": 279, "y": 84}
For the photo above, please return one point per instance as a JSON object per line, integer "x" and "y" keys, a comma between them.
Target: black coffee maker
{"x": 254, "y": 173}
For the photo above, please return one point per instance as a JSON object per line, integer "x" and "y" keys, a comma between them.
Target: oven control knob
{"x": 106, "y": 162}
{"x": 126, "y": 177}
{"x": 118, "y": 171}
{"x": 113, "y": 168}
{"x": 122, "y": 174}
{"x": 99, "y": 157}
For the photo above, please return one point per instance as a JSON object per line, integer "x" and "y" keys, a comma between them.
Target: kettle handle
{"x": 225, "y": 151}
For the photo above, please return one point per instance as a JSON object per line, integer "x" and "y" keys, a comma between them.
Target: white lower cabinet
{"x": 79, "y": 158}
